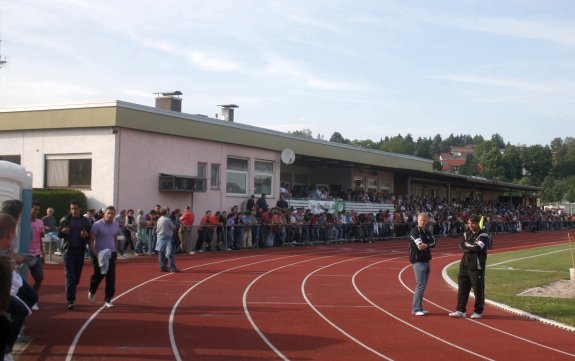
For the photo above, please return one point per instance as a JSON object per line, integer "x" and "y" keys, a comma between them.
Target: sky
{"x": 365, "y": 69}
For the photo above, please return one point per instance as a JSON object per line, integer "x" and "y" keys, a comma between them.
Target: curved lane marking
{"x": 406, "y": 322}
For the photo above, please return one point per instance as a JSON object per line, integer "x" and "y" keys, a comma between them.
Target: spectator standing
{"x": 35, "y": 259}
{"x": 187, "y": 220}
{"x": 91, "y": 217}
{"x": 219, "y": 229}
{"x": 22, "y": 296}
{"x": 472, "y": 269}
{"x": 282, "y": 204}
{"x": 421, "y": 240}
{"x": 248, "y": 219}
{"x": 230, "y": 224}
{"x": 251, "y": 203}
{"x": 51, "y": 229}
{"x": 165, "y": 246}
{"x": 141, "y": 235}
{"x": 205, "y": 232}
{"x": 262, "y": 203}
{"x": 7, "y": 233}
{"x": 104, "y": 246}
{"x": 75, "y": 233}
{"x": 128, "y": 229}
{"x": 120, "y": 219}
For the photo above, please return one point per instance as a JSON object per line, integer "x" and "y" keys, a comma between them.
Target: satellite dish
{"x": 287, "y": 156}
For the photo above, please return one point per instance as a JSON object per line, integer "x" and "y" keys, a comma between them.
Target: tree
{"x": 492, "y": 164}
{"x": 498, "y": 140}
{"x": 336, "y": 137}
{"x": 302, "y": 133}
{"x": 423, "y": 148}
{"x": 564, "y": 159}
{"x": 470, "y": 167}
{"x": 398, "y": 145}
{"x": 512, "y": 164}
{"x": 537, "y": 161}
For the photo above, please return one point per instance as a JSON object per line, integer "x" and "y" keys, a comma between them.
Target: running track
{"x": 337, "y": 302}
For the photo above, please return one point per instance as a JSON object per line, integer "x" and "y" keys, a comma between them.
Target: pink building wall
{"x": 142, "y": 156}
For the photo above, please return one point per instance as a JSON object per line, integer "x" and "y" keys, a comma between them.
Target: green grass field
{"x": 511, "y": 273}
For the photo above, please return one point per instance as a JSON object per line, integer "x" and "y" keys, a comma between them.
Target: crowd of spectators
{"x": 261, "y": 225}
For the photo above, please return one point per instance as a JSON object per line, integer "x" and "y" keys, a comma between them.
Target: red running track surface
{"x": 337, "y": 302}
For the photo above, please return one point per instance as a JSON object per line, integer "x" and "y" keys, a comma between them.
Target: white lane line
{"x": 332, "y": 324}
{"x": 174, "y": 308}
{"x": 83, "y": 328}
{"x": 247, "y": 312}
{"x": 406, "y": 322}
{"x": 177, "y": 303}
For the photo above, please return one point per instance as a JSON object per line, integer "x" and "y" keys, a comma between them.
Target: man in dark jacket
{"x": 75, "y": 232}
{"x": 472, "y": 269}
{"x": 420, "y": 242}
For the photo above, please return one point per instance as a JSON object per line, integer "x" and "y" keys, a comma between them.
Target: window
{"x": 371, "y": 185}
{"x": 11, "y": 158}
{"x": 202, "y": 169}
{"x": 215, "y": 176}
{"x": 237, "y": 176}
{"x": 385, "y": 187}
{"x": 358, "y": 183}
{"x": 263, "y": 177}
{"x": 68, "y": 171}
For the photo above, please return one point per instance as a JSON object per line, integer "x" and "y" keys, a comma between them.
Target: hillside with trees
{"x": 551, "y": 166}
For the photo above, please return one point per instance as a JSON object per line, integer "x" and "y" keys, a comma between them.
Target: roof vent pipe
{"x": 228, "y": 111}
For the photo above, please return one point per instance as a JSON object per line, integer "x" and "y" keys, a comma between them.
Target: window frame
{"x": 263, "y": 173}
{"x": 215, "y": 176}
{"x": 236, "y": 172}
{"x": 65, "y": 160}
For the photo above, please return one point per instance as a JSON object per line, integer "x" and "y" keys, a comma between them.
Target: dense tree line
{"x": 551, "y": 167}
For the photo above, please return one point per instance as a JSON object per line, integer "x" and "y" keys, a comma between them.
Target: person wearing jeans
{"x": 421, "y": 241}
{"x": 165, "y": 246}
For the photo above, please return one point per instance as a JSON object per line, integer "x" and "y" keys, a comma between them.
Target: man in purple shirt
{"x": 103, "y": 246}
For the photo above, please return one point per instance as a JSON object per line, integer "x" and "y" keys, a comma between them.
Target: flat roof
{"x": 145, "y": 118}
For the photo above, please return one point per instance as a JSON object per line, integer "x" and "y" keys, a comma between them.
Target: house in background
{"x": 452, "y": 161}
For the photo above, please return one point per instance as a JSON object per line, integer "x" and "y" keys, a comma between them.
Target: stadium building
{"x": 135, "y": 156}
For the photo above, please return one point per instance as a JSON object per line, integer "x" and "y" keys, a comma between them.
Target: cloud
{"x": 278, "y": 65}
{"x": 554, "y": 32}
{"x": 501, "y": 82}
{"x": 212, "y": 62}
{"x": 54, "y": 89}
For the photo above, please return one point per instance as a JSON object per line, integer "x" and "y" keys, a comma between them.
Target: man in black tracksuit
{"x": 472, "y": 269}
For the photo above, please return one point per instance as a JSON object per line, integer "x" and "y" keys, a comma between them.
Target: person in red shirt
{"x": 187, "y": 219}
{"x": 217, "y": 226}
{"x": 205, "y": 232}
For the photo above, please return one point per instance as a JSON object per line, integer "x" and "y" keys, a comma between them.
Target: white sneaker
{"x": 91, "y": 297}
{"x": 192, "y": 252}
{"x": 57, "y": 253}
{"x": 457, "y": 314}
{"x": 109, "y": 304}
{"x": 420, "y": 313}
{"x": 35, "y": 307}
{"x": 476, "y": 315}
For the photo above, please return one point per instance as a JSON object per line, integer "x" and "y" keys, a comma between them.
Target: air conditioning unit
{"x": 178, "y": 183}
